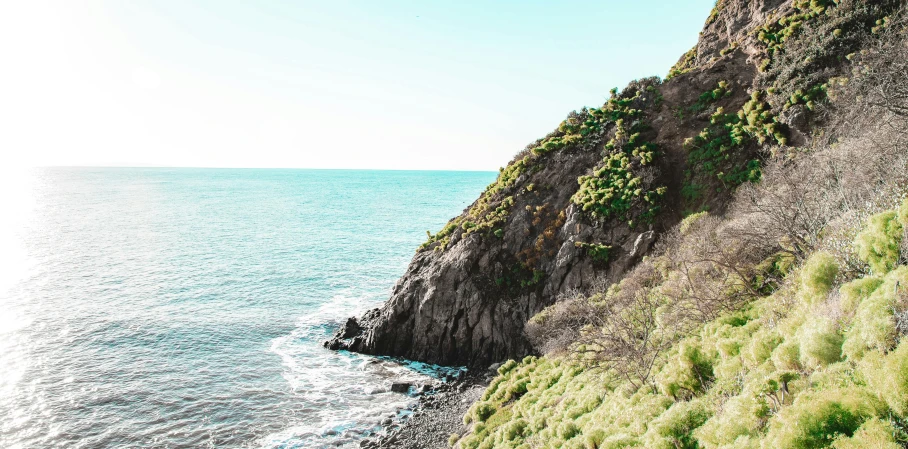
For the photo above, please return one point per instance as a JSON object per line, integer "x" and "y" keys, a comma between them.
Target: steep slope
{"x": 777, "y": 322}
{"x": 580, "y": 207}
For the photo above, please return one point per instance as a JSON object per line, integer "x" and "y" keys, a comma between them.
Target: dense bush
{"x": 880, "y": 243}
{"x": 816, "y": 419}
{"x": 875, "y": 433}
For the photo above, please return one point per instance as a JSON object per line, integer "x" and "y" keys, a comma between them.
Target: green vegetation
{"x": 709, "y": 97}
{"x": 808, "y": 97}
{"x": 520, "y": 276}
{"x": 684, "y": 65}
{"x": 443, "y": 238}
{"x": 780, "y": 323}
{"x": 774, "y": 34}
{"x": 818, "y": 363}
{"x": 719, "y": 151}
{"x": 714, "y": 14}
{"x": 880, "y": 242}
{"x": 612, "y": 191}
{"x": 597, "y": 252}
{"x": 620, "y": 184}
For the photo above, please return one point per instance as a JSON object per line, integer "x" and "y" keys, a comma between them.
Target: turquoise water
{"x": 186, "y": 307}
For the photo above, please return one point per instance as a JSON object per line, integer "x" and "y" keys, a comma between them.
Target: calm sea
{"x": 174, "y": 308}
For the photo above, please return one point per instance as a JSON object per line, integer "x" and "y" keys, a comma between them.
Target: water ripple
{"x": 178, "y": 308}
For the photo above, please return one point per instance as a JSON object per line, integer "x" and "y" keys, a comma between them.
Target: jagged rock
{"x": 795, "y": 116}
{"x": 401, "y": 387}
{"x": 494, "y": 366}
{"x": 351, "y": 328}
{"x": 350, "y": 336}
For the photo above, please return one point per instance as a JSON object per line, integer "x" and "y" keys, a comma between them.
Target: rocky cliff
{"x": 585, "y": 203}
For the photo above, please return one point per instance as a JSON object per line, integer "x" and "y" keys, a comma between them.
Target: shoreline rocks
{"x": 438, "y": 413}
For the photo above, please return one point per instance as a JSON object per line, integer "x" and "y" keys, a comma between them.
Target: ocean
{"x": 185, "y": 308}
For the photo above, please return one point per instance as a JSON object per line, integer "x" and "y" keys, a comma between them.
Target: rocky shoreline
{"x": 438, "y": 414}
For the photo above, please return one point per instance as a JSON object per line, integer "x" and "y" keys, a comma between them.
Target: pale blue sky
{"x": 332, "y": 84}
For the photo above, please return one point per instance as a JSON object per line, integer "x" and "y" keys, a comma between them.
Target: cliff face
{"x": 582, "y": 205}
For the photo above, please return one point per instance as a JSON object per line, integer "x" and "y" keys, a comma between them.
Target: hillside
{"x": 717, "y": 259}
{"x": 579, "y": 207}
{"x": 776, "y": 322}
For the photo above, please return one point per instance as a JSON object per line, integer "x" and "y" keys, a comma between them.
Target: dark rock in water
{"x": 351, "y": 328}
{"x": 401, "y": 387}
{"x": 350, "y": 336}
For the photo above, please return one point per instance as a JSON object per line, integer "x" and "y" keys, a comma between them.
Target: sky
{"x": 444, "y": 85}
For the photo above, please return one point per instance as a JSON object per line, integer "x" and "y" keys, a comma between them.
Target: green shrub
{"x": 787, "y": 356}
{"x": 816, "y": 419}
{"x": 452, "y": 440}
{"x": 483, "y": 411}
{"x": 684, "y": 65}
{"x": 807, "y": 97}
{"x": 517, "y": 388}
{"x": 507, "y": 367}
{"x": 761, "y": 346}
{"x": 690, "y": 222}
{"x": 616, "y": 187}
{"x": 687, "y": 373}
{"x": 821, "y": 343}
{"x": 873, "y": 326}
{"x": 852, "y": 293}
{"x": 594, "y": 439}
{"x": 515, "y": 429}
{"x": 711, "y": 96}
{"x": 597, "y": 252}
{"x": 903, "y": 214}
{"x": 873, "y": 434}
{"x": 889, "y": 377}
{"x": 568, "y": 430}
{"x": 443, "y": 237}
{"x": 674, "y": 428}
{"x": 740, "y": 416}
{"x": 718, "y": 152}
{"x": 878, "y": 244}
{"x": 818, "y": 276}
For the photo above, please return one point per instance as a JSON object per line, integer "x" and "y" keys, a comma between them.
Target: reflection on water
{"x": 186, "y": 308}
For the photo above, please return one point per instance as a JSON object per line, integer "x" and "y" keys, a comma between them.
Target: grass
{"x": 782, "y": 372}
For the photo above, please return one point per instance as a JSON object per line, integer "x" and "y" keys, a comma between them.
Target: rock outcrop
{"x": 534, "y": 237}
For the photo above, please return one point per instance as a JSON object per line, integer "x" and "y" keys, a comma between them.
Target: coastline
{"x": 436, "y": 415}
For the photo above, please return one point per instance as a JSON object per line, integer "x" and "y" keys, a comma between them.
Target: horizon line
{"x": 257, "y": 168}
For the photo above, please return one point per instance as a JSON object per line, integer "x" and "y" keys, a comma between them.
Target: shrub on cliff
{"x": 879, "y": 245}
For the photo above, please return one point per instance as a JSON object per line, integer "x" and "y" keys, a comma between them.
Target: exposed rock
{"x": 437, "y": 415}
{"x": 401, "y": 387}
{"x": 350, "y": 336}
